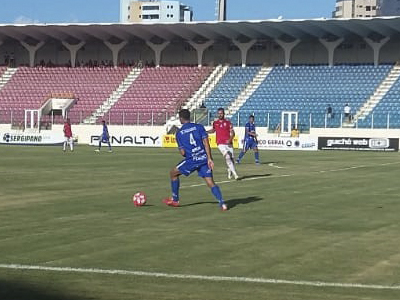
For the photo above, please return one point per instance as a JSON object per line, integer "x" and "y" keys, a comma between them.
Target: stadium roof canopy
{"x": 268, "y": 29}
{"x": 287, "y": 33}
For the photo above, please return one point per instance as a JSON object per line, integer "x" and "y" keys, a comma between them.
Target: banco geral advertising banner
{"x": 169, "y": 141}
{"x": 27, "y": 138}
{"x": 304, "y": 143}
{"x": 358, "y": 144}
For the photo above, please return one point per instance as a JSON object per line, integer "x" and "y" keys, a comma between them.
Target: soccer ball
{"x": 139, "y": 199}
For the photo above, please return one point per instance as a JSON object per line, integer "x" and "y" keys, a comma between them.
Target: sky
{"x": 107, "y": 11}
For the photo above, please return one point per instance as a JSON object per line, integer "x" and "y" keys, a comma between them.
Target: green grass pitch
{"x": 310, "y": 216}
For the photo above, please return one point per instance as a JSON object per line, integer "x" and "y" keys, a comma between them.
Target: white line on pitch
{"x": 200, "y": 277}
{"x": 290, "y": 175}
{"x": 273, "y": 165}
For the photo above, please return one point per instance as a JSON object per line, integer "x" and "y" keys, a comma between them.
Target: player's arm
{"x": 208, "y": 151}
{"x": 232, "y": 135}
{"x": 248, "y": 132}
{"x": 212, "y": 130}
{"x": 181, "y": 149}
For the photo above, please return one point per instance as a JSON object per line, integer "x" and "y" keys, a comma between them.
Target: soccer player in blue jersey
{"x": 105, "y": 138}
{"x": 250, "y": 141}
{"x": 193, "y": 144}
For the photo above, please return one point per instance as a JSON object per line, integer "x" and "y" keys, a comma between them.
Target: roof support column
{"x": 158, "y": 49}
{"x": 115, "y": 49}
{"x": 287, "y": 47}
{"x": 200, "y": 48}
{"x": 73, "y": 49}
{"x": 376, "y": 46}
{"x": 244, "y": 49}
{"x": 32, "y": 51}
{"x": 331, "y": 47}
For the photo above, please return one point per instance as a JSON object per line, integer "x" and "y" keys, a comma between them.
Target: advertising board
{"x": 358, "y": 144}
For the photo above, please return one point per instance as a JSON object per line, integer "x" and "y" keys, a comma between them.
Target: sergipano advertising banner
{"x": 27, "y": 138}
{"x": 358, "y": 144}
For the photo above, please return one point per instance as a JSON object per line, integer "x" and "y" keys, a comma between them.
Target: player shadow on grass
{"x": 17, "y": 290}
{"x": 234, "y": 202}
{"x": 231, "y": 203}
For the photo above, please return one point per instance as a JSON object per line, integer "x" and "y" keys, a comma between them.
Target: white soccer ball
{"x": 139, "y": 199}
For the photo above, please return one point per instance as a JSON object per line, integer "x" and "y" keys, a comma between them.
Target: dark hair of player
{"x": 184, "y": 114}
{"x": 251, "y": 117}
{"x": 221, "y": 109}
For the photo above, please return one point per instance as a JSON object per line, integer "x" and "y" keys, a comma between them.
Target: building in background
{"x": 366, "y": 8}
{"x": 355, "y": 9}
{"x": 388, "y": 8}
{"x": 154, "y": 11}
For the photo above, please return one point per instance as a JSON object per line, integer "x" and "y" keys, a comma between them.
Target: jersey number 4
{"x": 192, "y": 140}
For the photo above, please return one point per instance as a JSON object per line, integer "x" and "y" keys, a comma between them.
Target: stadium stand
{"x": 91, "y": 86}
{"x": 387, "y": 112}
{"x": 230, "y": 86}
{"x": 156, "y": 94}
{"x": 309, "y": 89}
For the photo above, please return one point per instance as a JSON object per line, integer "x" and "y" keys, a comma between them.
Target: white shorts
{"x": 225, "y": 149}
{"x": 67, "y": 139}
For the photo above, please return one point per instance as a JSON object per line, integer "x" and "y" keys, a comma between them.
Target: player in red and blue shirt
{"x": 193, "y": 144}
{"x": 250, "y": 141}
{"x": 224, "y": 132}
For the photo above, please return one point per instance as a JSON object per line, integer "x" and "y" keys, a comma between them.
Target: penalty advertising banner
{"x": 31, "y": 138}
{"x": 130, "y": 140}
{"x": 286, "y": 143}
{"x": 169, "y": 141}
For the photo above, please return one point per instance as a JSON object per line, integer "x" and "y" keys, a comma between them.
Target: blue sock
{"x": 109, "y": 146}
{"x": 99, "y": 145}
{"x": 257, "y": 156}
{"x": 175, "y": 189}
{"x": 240, "y": 156}
{"x": 217, "y": 194}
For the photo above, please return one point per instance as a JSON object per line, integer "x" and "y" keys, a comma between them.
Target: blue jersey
{"x": 250, "y": 127}
{"x": 190, "y": 139}
{"x": 105, "y": 136}
{"x": 105, "y": 130}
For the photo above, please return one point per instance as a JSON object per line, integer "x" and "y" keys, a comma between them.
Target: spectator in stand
{"x": 347, "y": 112}
{"x": 68, "y": 136}
{"x": 11, "y": 62}
{"x": 294, "y": 132}
{"x": 6, "y": 59}
{"x": 329, "y": 114}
